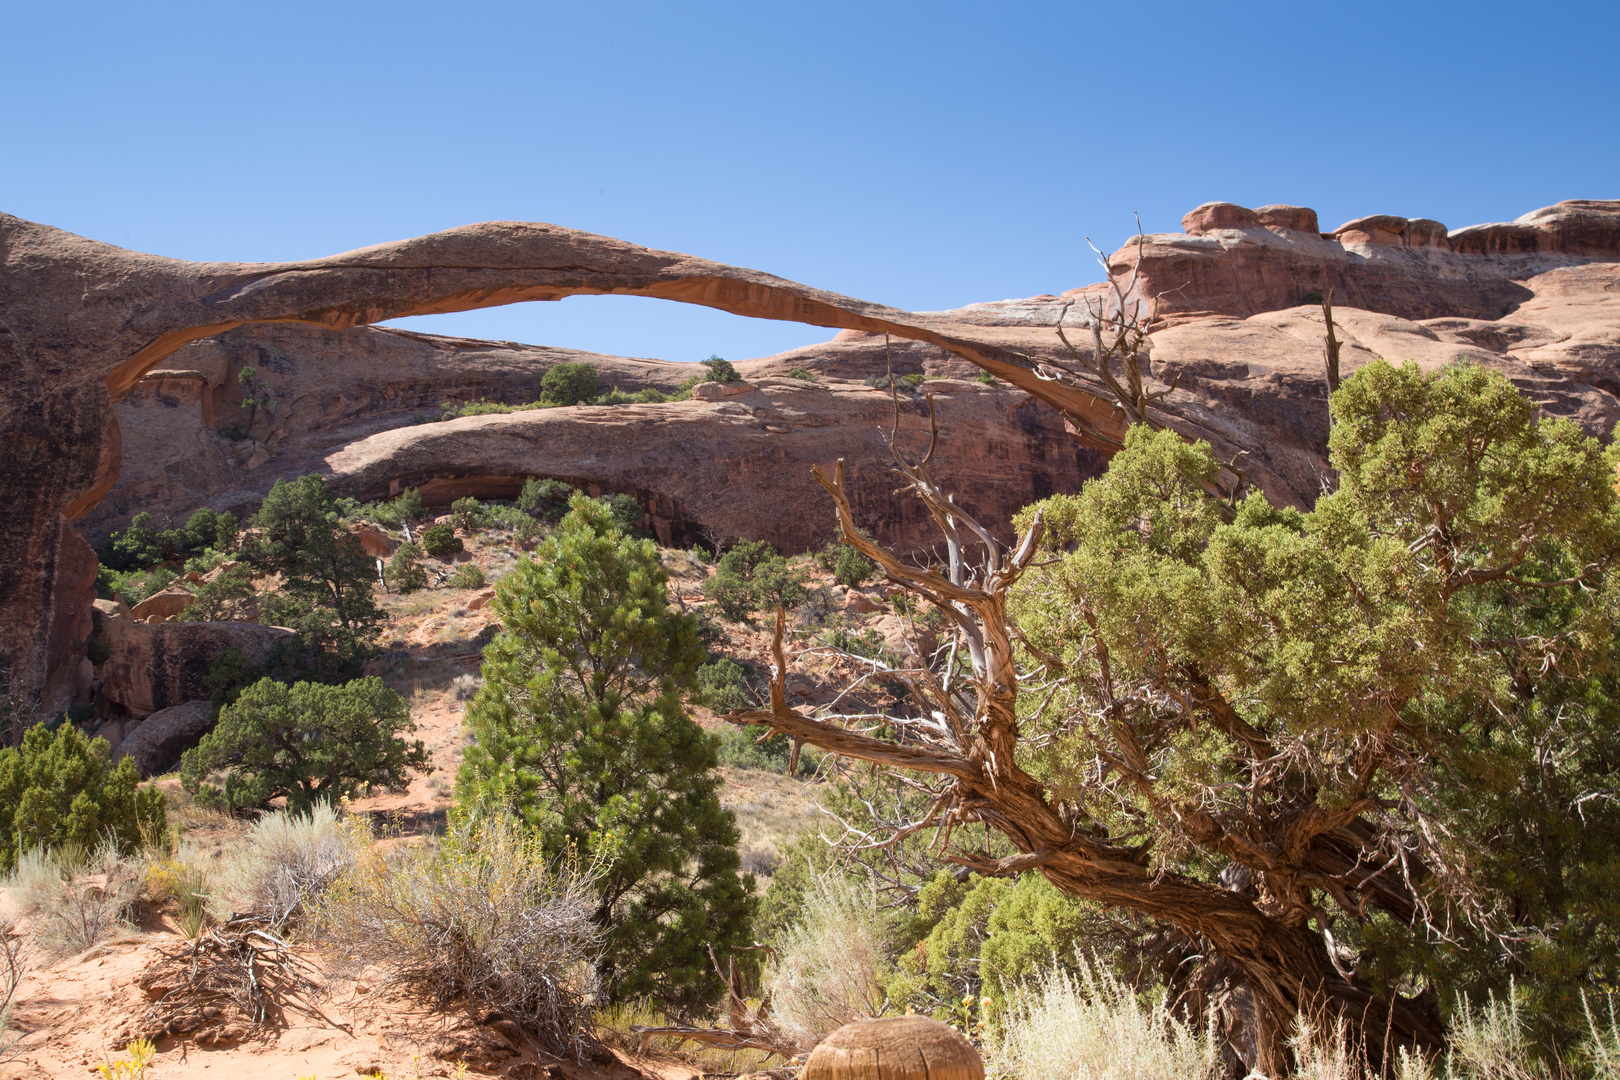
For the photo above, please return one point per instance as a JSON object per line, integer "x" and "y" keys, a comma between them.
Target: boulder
{"x": 378, "y": 544}
{"x": 481, "y": 601}
{"x": 152, "y": 666}
{"x": 163, "y": 606}
{"x": 859, "y": 603}
{"x": 157, "y": 742}
{"x": 1294, "y": 218}
{"x": 708, "y": 391}
{"x": 1217, "y": 215}
{"x": 894, "y": 1048}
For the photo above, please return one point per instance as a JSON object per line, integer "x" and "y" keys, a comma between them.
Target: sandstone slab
{"x": 163, "y": 605}
{"x": 152, "y": 666}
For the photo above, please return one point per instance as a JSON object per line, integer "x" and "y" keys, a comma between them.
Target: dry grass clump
{"x": 482, "y": 916}
{"x": 831, "y": 968}
{"x": 289, "y": 859}
{"x": 182, "y": 879}
{"x": 1092, "y": 1025}
{"x": 77, "y": 897}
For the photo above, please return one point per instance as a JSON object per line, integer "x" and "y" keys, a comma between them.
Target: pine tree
{"x": 580, "y": 727}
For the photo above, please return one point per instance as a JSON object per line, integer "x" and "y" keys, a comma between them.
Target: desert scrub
{"x": 310, "y": 742}
{"x": 832, "y": 967}
{"x": 484, "y": 916}
{"x": 182, "y": 880}
{"x": 290, "y": 859}
{"x": 441, "y": 541}
{"x": 89, "y": 895}
{"x": 1091, "y": 1024}
{"x": 467, "y": 576}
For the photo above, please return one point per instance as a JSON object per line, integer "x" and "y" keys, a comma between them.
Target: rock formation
{"x": 157, "y": 742}
{"x": 82, "y": 323}
{"x": 342, "y": 403}
{"x": 153, "y": 666}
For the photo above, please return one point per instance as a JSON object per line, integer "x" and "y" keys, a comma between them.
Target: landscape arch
{"x": 82, "y": 321}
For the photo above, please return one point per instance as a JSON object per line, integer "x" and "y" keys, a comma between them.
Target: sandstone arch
{"x": 82, "y": 321}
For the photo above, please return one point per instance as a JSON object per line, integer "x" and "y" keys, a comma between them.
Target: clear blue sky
{"x": 921, "y": 155}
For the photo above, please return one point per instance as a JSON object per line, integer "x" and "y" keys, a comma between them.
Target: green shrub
{"x": 142, "y": 546}
{"x": 723, "y": 684}
{"x": 626, "y": 511}
{"x": 467, "y": 513}
{"x": 452, "y": 410}
{"x": 132, "y": 586}
{"x": 310, "y": 742}
{"x": 570, "y": 384}
{"x": 327, "y": 577}
{"x": 441, "y": 541}
{"x": 720, "y": 370}
{"x": 851, "y": 568}
{"x": 647, "y": 396}
{"x": 986, "y": 378}
{"x": 580, "y": 729}
{"x": 902, "y": 382}
{"x": 60, "y": 788}
{"x": 752, "y": 575}
{"x": 740, "y": 748}
{"x": 802, "y": 373}
{"x": 467, "y": 576}
{"x": 545, "y": 499}
{"x": 409, "y": 504}
{"x": 405, "y": 570}
{"x": 503, "y": 516}
{"x": 227, "y": 597}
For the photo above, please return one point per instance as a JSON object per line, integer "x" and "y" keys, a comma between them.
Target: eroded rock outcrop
{"x": 735, "y": 462}
{"x": 152, "y": 666}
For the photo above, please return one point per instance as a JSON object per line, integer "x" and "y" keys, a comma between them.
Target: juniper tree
{"x": 326, "y": 575}
{"x": 1251, "y": 722}
{"x": 579, "y": 726}
{"x": 309, "y": 742}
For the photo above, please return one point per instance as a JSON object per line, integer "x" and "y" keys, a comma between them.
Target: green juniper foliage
{"x": 1426, "y": 656}
{"x": 309, "y": 742}
{"x": 224, "y": 598}
{"x": 405, "y": 570}
{"x": 467, "y": 513}
{"x": 441, "y": 540}
{"x": 570, "y": 384}
{"x": 326, "y": 576}
{"x": 751, "y": 575}
{"x": 579, "y": 727}
{"x": 545, "y": 499}
{"x": 720, "y": 370}
{"x": 60, "y": 788}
